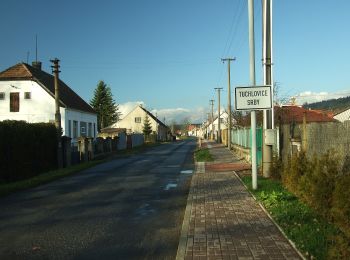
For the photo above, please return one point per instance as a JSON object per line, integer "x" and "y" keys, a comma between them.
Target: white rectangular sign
{"x": 253, "y": 98}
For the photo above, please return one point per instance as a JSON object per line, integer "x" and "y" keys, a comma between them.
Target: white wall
{"x": 79, "y": 117}
{"x": 343, "y": 116}
{"x": 131, "y": 126}
{"x": 40, "y": 108}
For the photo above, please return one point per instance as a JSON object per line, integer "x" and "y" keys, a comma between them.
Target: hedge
{"x": 26, "y": 149}
{"x": 323, "y": 183}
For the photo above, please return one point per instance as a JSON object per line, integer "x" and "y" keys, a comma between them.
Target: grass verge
{"x": 310, "y": 232}
{"x": 203, "y": 155}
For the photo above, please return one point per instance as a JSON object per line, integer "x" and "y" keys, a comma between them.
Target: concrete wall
{"x": 137, "y": 140}
{"x": 316, "y": 138}
{"x": 121, "y": 141}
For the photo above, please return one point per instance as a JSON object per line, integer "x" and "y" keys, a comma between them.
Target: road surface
{"x": 127, "y": 208}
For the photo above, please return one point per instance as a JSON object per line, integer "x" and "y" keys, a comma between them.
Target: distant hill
{"x": 334, "y": 105}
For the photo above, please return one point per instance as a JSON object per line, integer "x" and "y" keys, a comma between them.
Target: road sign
{"x": 253, "y": 98}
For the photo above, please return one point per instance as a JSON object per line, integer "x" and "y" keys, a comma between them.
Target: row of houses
{"x": 296, "y": 129}
{"x": 27, "y": 93}
{"x": 283, "y": 114}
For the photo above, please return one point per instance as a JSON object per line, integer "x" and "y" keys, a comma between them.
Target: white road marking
{"x": 170, "y": 186}
{"x": 187, "y": 172}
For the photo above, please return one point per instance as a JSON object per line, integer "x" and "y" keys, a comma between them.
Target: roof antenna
{"x": 36, "y": 64}
{"x": 36, "y": 48}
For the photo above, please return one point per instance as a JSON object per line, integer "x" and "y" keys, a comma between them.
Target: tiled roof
{"x": 68, "y": 97}
{"x": 288, "y": 114}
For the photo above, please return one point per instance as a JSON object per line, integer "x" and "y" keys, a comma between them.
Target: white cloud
{"x": 312, "y": 97}
{"x": 177, "y": 115}
{"x": 127, "y": 107}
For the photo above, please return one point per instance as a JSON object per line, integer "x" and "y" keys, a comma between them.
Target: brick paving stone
{"x": 225, "y": 221}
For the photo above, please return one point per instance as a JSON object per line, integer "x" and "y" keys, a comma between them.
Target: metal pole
{"x": 267, "y": 149}
{"x": 212, "y": 118}
{"x": 229, "y": 127}
{"x": 219, "y": 123}
{"x": 252, "y": 81}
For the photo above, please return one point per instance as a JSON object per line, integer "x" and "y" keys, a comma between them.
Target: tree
{"x": 147, "y": 128}
{"x": 104, "y": 105}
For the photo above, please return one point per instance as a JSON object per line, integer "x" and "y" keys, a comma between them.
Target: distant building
{"x": 28, "y": 93}
{"x": 296, "y": 114}
{"x": 194, "y": 130}
{"x": 134, "y": 122}
{"x": 343, "y": 116}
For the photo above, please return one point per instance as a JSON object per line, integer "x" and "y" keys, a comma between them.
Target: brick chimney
{"x": 36, "y": 64}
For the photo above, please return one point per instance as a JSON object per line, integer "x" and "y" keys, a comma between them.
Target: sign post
{"x": 253, "y": 98}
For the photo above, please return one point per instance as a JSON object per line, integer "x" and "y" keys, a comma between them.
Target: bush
{"x": 276, "y": 167}
{"x": 341, "y": 203}
{"x": 26, "y": 149}
{"x": 295, "y": 168}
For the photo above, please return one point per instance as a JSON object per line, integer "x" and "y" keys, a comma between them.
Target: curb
{"x": 181, "y": 250}
{"x": 270, "y": 217}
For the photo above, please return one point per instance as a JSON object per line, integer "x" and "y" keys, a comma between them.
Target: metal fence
{"x": 243, "y": 138}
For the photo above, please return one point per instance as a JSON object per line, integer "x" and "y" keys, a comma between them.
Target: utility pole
{"x": 219, "y": 123}
{"x": 267, "y": 72}
{"x": 212, "y": 118}
{"x": 208, "y": 125}
{"x": 56, "y": 71}
{"x": 252, "y": 81}
{"x": 229, "y": 101}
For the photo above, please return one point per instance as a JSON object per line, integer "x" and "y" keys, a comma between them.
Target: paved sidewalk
{"x": 223, "y": 221}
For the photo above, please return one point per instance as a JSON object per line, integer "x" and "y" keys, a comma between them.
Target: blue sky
{"x": 167, "y": 54}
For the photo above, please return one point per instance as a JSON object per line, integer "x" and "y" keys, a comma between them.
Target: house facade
{"x": 213, "y": 127}
{"x": 134, "y": 122}
{"x": 27, "y": 93}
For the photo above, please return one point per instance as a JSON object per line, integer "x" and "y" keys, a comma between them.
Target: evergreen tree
{"x": 104, "y": 105}
{"x": 147, "y": 128}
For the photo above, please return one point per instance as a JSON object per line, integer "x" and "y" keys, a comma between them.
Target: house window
{"x": 137, "y": 119}
{"x": 27, "y": 95}
{"x": 2, "y": 95}
{"x": 75, "y": 129}
{"x": 70, "y": 128}
{"x": 82, "y": 128}
{"x": 90, "y": 130}
{"x": 14, "y": 102}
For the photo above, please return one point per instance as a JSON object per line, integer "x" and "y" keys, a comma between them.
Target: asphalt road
{"x": 127, "y": 208}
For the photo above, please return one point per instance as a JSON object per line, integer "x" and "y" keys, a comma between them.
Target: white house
{"x": 134, "y": 122}
{"x": 343, "y": 116}
{"x": 28, "y": 93}
{"x": 214, "y": 126}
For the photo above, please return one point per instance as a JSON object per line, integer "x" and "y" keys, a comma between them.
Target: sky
{"x": 166, "y": 55}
